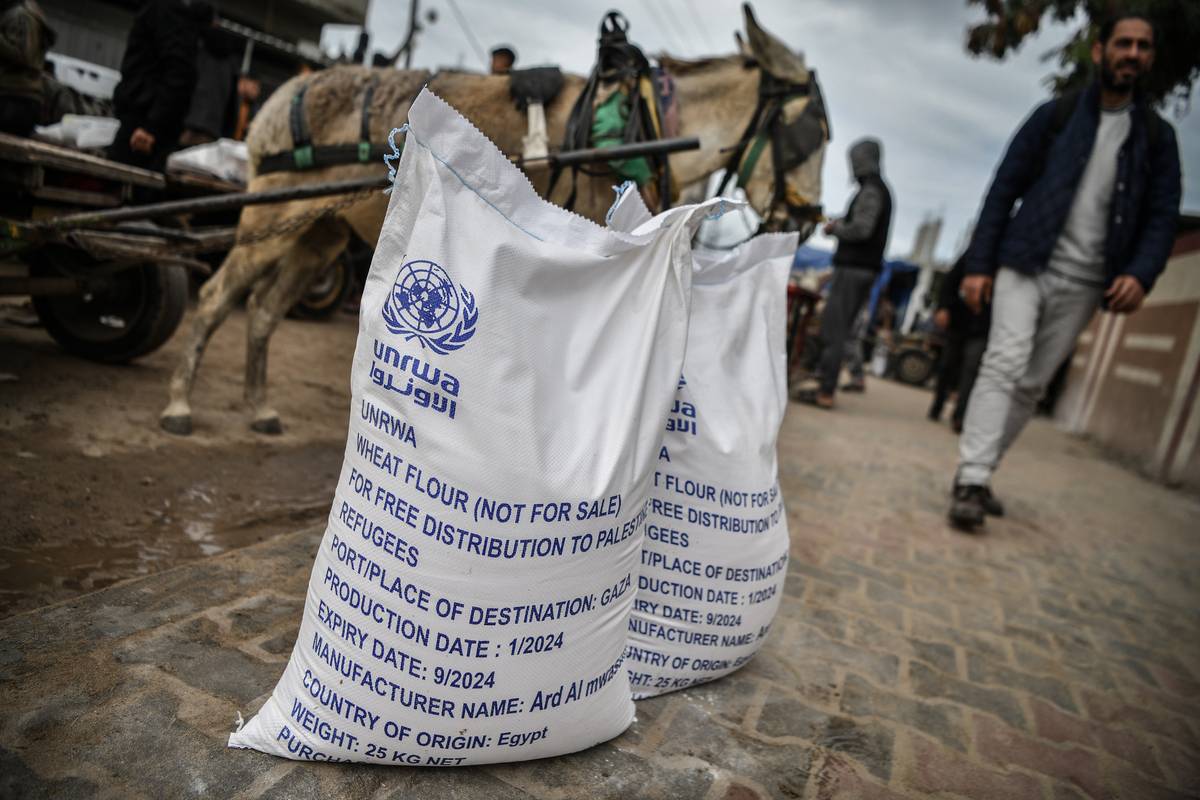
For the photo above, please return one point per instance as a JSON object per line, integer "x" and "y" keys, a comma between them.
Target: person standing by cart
{"x": 24, "y": 39}
{"x": 158, "y": 76}
{"x": 862, "y": 239}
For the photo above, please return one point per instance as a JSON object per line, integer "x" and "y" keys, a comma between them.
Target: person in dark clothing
{"x": 862, "y": 238}
{"x": 1080, "y": 215}
{"x": 966, "y": 337}
{"x": 212, "y": 112}
{"x": 158, "y": 76}
{"x": 24, "y": 39}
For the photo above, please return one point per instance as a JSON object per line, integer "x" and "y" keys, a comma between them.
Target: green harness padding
{"x": 608, "y": 129}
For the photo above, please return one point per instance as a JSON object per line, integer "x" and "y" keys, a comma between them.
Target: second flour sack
{"x": 716, "y": 549}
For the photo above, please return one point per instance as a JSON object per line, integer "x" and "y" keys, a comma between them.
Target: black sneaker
{"x": 966, "y": 506}
{"x": 991, "y": 504}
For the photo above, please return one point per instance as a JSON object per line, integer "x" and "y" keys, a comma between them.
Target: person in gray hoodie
{"x": 862, "y": 236}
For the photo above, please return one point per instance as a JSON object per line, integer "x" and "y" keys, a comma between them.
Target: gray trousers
{"x": 848, "y": 291}
{"x": 854, "y": 349}
{"x": 1035, "y": 322}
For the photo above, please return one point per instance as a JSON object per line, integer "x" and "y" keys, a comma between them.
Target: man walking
{"x": 1097, "y": 176}
{"x": 862, "y": 238}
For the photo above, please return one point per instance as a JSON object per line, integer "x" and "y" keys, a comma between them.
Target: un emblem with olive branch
{"x": 426, "y": 305}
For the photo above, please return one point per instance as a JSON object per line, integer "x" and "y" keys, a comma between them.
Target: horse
{"x": 717, "y": 97}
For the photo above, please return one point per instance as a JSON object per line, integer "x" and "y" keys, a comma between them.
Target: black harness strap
{"x": 304, "y": 155}
{"x": 617, "y": 61}
{"x": 302, "y": 151}
{"x": 364, "y": 128}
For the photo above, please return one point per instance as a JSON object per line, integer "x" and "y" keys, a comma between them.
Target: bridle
{"x": 791, "y": 144}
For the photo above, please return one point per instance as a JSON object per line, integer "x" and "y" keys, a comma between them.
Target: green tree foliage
{"x": 1176, "y": 24}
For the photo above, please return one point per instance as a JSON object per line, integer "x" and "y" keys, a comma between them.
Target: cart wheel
{"x": 118, "y": 318}
{"x": 913, "y": 367}
{"x": 328, "y": 291}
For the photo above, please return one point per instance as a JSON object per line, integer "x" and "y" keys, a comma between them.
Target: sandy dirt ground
{"x": 92, "y": 492}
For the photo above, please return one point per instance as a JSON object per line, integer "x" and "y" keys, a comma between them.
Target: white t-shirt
{"x": 1079, "y": 251}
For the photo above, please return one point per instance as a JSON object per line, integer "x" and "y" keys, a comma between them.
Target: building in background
{"x": 1133, "y": 384}
{"x": 284, "y": 34}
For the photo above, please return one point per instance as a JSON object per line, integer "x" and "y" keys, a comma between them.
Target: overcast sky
{"x": 894, "y": 70}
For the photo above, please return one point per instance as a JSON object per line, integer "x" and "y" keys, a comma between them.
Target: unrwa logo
{"x": 425, "y": 304}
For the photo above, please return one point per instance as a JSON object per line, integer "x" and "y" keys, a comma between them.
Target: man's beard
{"x": 1110, "y": 81}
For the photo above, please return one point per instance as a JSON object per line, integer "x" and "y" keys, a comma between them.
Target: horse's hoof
{"x": 179, "y": 425}
{"x": 268, "y": 425}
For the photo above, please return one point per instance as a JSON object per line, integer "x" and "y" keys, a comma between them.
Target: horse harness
{"x": 622, "y": 64}
{"x": 305, "y": 155}
{"x": 792, "y": 143}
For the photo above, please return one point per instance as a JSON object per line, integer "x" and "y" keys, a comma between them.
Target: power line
{"x": 695, "y": 17}
{"x": 676, "y": 32}
{"x": 662, "y": 26}
{"x": 462, "y": 23}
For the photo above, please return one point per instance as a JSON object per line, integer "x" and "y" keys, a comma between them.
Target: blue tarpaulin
{"x": 898, "y": 291}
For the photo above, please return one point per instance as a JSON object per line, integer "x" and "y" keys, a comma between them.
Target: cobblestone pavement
{"x": 1055, "y": 656}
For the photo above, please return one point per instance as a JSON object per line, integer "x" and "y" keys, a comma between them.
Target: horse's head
{"x": 780, "y": 167}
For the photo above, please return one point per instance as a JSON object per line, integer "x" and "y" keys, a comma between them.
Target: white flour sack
{"x": 716, "y": 549}
{"x": 514, "y": 370}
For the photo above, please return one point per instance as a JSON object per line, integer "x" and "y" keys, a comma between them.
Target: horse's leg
{"x": 241, "y": 268}
{"x": 315, "y": 250}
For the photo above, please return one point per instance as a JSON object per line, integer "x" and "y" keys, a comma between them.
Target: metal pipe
{"x": 619, "y": 152}
{"x": 234, "y": 200}
{"x": 204, "y": 204}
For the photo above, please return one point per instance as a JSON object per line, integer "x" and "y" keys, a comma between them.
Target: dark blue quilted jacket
{"x": 1145, "y": 204}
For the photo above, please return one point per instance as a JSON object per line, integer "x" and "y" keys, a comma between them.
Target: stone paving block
{"x": 282, "y": 644}
{"x": 192, "y": 653}
{"x": 1113, "y": 710}
{"x": 928, "y": 630}
{"x": 943, "y": 722}
{"x": 783, "y": 769}
{"x": 1032, "y": 659}
{"x": 868, "y": 634}
{"x": 833, "y": 623}
{"x": 984, "y": 670}
{"x": 823, "y": 575}
{"x": 1004, "y": 746}
{"x": 868, "y": 743}
{"x": 1127, "y": 783}
{"x": 265, "y": 613}
{"x": 836, "y": 779}
{"x": 979, "y": 615}
{"x": 935, "y": 769}
{"x": 1064, "y": 791}
{"x": 816, "y": 682}
{"x": 146, "y": 732}
{"x": 930, "y": 683}
{"x": 1182, "y": 766}
{"x": 881, "y": 593}
{"x": 845, "y": 565}
{"x": 1175, "y": 681}
{"x": 608, "y": 773}
{"x": 1057, "y": 725}
{"x": 812, "y": 645}
{"x": 18, "y": 780}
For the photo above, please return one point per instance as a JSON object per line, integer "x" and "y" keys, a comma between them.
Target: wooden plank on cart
{"x": 19, "y": 150}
